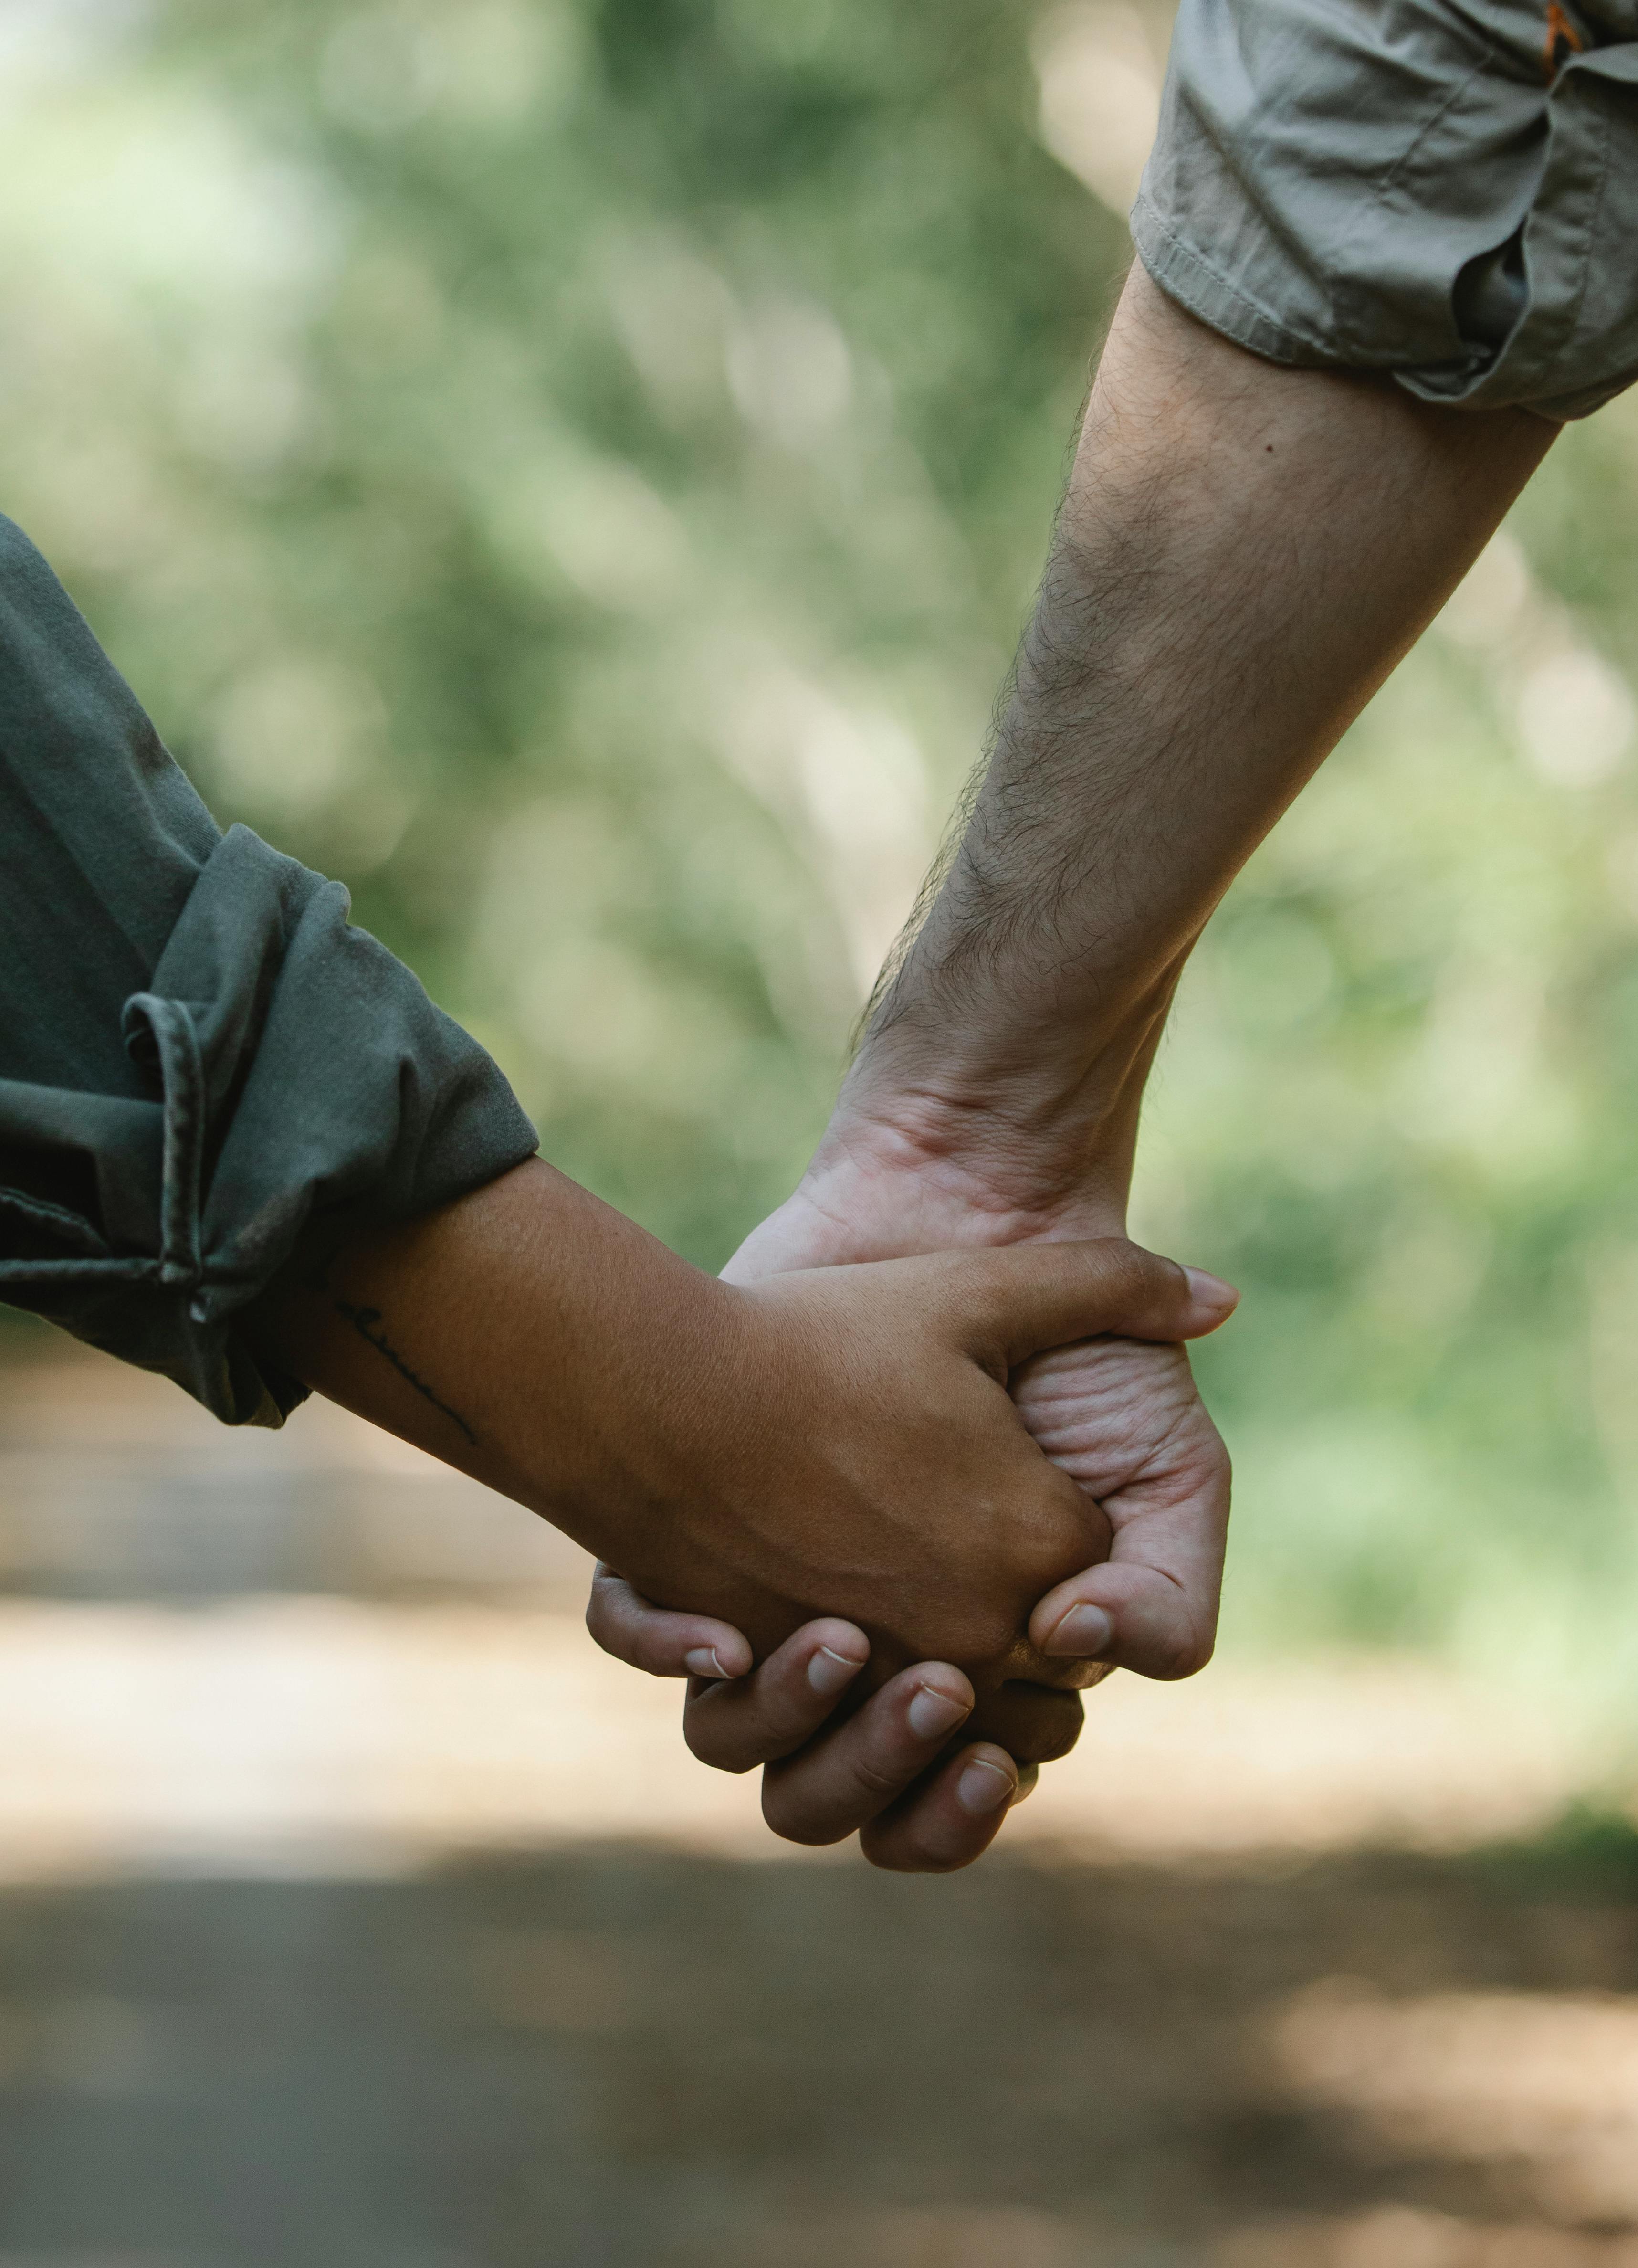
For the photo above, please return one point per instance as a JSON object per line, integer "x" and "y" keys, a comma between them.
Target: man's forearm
{"x": 1243, "y": 554}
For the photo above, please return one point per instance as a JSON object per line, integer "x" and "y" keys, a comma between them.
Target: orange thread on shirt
{"x": 1563, "y": 41}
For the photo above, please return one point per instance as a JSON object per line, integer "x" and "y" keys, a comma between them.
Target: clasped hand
{"x": 934, "y": 1526}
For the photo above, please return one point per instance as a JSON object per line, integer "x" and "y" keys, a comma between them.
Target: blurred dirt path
{"x": 356, "y": 1913}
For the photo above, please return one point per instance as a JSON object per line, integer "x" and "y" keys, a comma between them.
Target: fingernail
{"x": 1211, "y": 1290}
{"x": 829, "y": 1671}
{"x": 932, "y": 1712}
{"x": 983, "y": 1788}
{"x": 702, "y": 1661}
{"x": 1084, "y": 1631}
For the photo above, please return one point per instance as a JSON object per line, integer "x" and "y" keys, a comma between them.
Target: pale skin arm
{"x": 1243, "y": 554}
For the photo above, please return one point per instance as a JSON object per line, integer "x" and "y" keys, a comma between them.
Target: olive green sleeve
{"x": 198, "y": 1052}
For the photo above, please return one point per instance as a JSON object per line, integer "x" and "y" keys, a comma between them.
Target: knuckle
{"x": 1127, "y": 1268}
{"x": 1180, "y": 1654}
{"x": 882, "y": 1782}
{"x": 983, "y": 1633}
{"x": 1058, "y": 1734}
{"x": 793, "y": 1822}
{"x": 705, "y": 1742}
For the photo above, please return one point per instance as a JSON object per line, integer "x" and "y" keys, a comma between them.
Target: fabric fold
{"x": 1440, "y": 190}
{"x": 164, "y": 1142}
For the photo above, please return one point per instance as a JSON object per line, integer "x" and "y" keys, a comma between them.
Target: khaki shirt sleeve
{"x": 1443, "y": 191}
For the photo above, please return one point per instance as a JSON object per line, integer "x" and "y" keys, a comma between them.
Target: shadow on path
{"x": 630, "y": 2057}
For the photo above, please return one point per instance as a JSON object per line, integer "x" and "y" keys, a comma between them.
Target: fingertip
{"x": 988, "y": 1781}
{"x": 1216, "y": 1300}
{"x": 1145, "y": 1621}
{"x": 830, "y": 1673}
{"x": 1076, "y": 1630}
{"x": 944, "y": 1679}
{"x": 846, "y": 1640}
{"x": 940, "y": 1699}
{"x": 719, "y": 1653}
{"x": 946, "y": 1821}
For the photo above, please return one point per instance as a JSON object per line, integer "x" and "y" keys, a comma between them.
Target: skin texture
{"x": 1243, "y": 554}
{"x": 840, "y": 1437}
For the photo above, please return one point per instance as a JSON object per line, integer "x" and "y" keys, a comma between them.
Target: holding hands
{"x": 824, "y": 1462}
{"x": 927, "y": 1765}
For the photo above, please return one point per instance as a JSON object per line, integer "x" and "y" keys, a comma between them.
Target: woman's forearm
{"x": 519, "y": 1334}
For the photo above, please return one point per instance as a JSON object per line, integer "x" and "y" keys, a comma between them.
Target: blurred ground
{"x": 355, "y": 1912}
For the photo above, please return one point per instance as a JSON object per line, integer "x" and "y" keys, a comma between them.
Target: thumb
{"x": 1025, "y": 1298}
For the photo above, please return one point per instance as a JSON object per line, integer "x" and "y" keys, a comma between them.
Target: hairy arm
{"x": 1242, "y": 554}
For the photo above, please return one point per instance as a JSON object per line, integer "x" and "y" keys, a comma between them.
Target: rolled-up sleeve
{"x": 1444, "y": 191}
{"x": 198, "y": 1053}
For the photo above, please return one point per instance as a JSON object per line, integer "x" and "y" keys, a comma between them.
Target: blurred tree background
{"x": 577, "y": 469}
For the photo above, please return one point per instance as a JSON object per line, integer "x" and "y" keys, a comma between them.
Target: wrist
{"x": 533, "y": 1337}
{"x": 1034, "y": 1122}
{"x": 895, "y": 1182}
{"x": 619, "y": 1404}
{"x": 1014, "y": 1178}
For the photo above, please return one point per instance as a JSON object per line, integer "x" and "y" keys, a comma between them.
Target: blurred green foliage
{"x": 573, "y": 472}
{"x": 577, "y": 471}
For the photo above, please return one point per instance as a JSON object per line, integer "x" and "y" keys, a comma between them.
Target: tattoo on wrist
{"x": 367, "y": 1322}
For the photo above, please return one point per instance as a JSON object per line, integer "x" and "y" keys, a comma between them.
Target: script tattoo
{"x": 367, "y": 1322}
